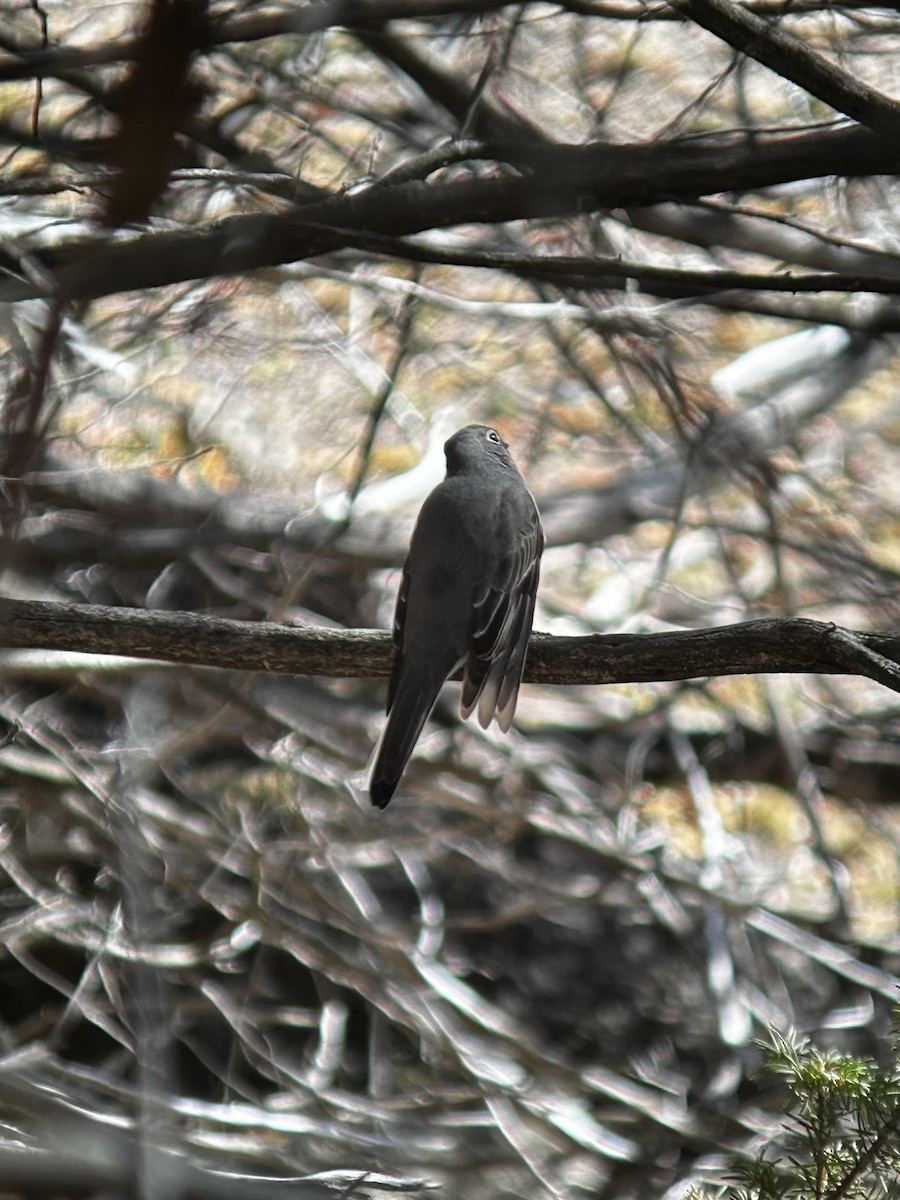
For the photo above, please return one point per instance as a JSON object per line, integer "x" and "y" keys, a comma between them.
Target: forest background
{"x": 257, "y": 262}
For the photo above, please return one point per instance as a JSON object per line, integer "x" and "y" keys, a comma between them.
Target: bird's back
{"x": 466, "y": 597}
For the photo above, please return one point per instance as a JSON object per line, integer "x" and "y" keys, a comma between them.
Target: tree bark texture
{"x": 753, "y": 647}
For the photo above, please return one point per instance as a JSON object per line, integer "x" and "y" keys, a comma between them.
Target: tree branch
{"x": 556, "y": 180}
{"x": 128, "y": 518}
{"x": 755, "y": 647}
{"x": 788, "y": 57}
{"x": 31, "y": 60}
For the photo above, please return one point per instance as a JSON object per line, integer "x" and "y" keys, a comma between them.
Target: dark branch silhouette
{"x": 552, "y": 181}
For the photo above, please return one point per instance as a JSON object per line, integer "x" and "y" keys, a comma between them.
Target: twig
{"x": 787, "y": 55}
{"x": 557, "y": 180}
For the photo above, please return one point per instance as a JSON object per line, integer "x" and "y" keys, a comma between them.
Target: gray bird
{"x": 466, "y": 597}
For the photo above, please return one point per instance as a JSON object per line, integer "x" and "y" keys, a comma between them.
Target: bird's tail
{"x": 414, "y": 700}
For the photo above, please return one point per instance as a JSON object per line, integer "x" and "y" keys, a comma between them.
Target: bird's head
{"x": 473, "y": 447}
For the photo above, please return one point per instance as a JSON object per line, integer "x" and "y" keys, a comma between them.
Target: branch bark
{"x": 790, "y": 58}
{"x": 555, "y": 180}
{"x": 774, "y": 646}
{"x": 31, "y": 60}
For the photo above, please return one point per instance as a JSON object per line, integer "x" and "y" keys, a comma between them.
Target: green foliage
{"x": 840, "y": 1139}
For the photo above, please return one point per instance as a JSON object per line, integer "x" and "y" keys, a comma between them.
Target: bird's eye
{"x": 494, "y": 436}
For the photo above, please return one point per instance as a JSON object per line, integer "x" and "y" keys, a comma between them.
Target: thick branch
{"x": 789, "y": 57}
{"x": 556, "y": 181}
{"x": 763, "y": 233}
{"x": 24, "y": 61}
{"x": 767, "y": 646}
{"x": 32, "y": 60}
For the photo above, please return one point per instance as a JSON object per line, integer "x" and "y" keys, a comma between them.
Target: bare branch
{"x": 558, "y": 180}
{"x": 24, "y": 61}
{"x": 752, "y": 648}
{"x": 789, "y": 57}
{"x": 129, "y": 518}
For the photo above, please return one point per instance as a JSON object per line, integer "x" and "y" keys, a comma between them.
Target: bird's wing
{"x": 502, "y": 613}
{"x": 397, "y": 635}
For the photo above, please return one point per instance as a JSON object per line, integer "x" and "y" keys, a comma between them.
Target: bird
{"x": 466, "y": 598}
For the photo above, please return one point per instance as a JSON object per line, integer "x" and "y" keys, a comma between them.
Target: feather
{"x": 466, "y": 596}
